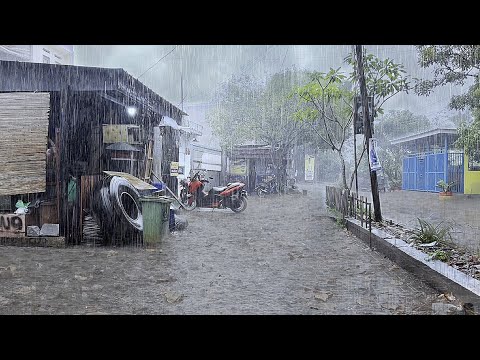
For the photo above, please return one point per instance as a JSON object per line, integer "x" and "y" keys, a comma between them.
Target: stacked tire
{"x": 117, "y": 208}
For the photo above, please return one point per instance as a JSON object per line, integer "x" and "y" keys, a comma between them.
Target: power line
{"x": 163, "y": 57}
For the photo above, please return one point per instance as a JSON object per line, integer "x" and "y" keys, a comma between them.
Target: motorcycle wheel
{"x": 189, "y": 206}
{"x": 261, "y": 191}
{"x": 239, "y": 205}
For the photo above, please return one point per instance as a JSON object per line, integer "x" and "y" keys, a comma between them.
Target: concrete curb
{"x": 437, "y": 274}
{"x": 54, "y": 241}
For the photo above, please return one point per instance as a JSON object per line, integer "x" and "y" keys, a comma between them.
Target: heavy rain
{"x": 240, "y": 179}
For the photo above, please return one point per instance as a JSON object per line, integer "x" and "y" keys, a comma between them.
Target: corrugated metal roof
{"x": 422, "y": 135}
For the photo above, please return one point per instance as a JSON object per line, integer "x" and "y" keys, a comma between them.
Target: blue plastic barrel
{"x": 158, "y": 185}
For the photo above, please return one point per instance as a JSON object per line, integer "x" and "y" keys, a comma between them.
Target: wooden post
{"x": 57, "y": 170}
{"x": 64, "y": 157}
{"x": 361, "y": 210}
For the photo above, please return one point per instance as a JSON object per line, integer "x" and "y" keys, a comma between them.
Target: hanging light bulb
{"x": 131, "y": 111}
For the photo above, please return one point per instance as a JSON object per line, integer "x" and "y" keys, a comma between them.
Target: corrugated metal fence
{"x": 423, "y": 171}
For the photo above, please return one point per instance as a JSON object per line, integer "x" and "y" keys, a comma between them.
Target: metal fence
{"x": 350, "y": 205}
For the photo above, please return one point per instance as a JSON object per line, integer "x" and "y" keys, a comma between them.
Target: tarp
{"x": 136, "y": 182}
{"x": 167, "y": 121}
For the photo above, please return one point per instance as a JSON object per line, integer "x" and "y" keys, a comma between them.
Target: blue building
{"x": 431, "y": 156}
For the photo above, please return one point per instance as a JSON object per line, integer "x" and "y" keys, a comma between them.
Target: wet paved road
{"x": 280, "y": 256}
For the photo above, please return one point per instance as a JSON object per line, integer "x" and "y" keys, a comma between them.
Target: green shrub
{"x": 339, "y": 219}
{"x": 441, "y": 255}
{"x": 428, "y": 233}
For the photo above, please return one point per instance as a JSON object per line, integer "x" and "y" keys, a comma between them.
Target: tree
{"x": 456, "y": 65}
{"x": 398, "y": 123}
{"x": 469, "y": 138}
{"x": 384, "y": 79}
{"x": 395, "y": 124}
{"x": 392, "y": 158}
{"x": 326, "y": 106}
{"x": 248, "y": 110}
{"x": 234, "y": 111}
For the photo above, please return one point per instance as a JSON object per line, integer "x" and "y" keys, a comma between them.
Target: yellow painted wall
{"x": 471, "y": 180}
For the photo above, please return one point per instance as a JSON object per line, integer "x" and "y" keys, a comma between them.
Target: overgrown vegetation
{"x": 261, "y": 112}
{"x": 456, "y": 65}
{"x": 339, "y": 218}
{"x": 441, "y": 255}
{"x": 326, "y": 107}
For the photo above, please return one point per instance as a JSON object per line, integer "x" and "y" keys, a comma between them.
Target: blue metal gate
{"x": 409, "y": 169}
{"x": 420, "y": 173}
{"x": 423, "y": 171}
{"x": 435, "y": 171}
{"x": 455, "y": 171}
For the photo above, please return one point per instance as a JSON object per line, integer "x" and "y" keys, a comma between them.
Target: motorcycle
{"x": 232, "y": 196}
{"x": 267, "y": 187}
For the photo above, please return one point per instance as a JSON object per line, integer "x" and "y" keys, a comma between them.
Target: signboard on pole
{"x": 238, "y": 167}
{"x": 373, "y": 156}
{"x": 358, "y": 122}
{"x": 309, "y": 168}
{"x": 174, "y": 168}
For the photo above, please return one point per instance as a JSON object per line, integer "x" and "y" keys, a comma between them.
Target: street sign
{"x": 373, "y": 156}
{"x": 174, "y": 168}
{"x": 358, "y": 114}
{"x": 309, "y": 168}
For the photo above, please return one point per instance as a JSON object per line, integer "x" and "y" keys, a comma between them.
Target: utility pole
{"x": 181, "y": 88}
{"x": 368, "y": 132}
{"x": 355, "y": 137}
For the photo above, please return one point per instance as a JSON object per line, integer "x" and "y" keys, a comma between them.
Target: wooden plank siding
{"x": 82, "y": 101}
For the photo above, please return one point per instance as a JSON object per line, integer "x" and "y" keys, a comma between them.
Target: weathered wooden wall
{"x": 23, "y": 142}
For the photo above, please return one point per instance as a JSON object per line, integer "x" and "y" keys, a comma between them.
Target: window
{"x": 46, "y": 59}
{"x": 5, "y": 203}
{"x": 133, "y": 135}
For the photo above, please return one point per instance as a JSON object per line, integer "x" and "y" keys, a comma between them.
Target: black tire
{"x": 125, "y": 199}
{"x": 239, "y": 205}
{"x": 191, "y": 206}
{"x": 184, "y": 199}
{"x": 261, "y": 191}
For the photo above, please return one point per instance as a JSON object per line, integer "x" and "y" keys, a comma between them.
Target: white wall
{"x": 184, "y": 156}
{"x": 157, "y": 153}
{"x": 56, "y": 54}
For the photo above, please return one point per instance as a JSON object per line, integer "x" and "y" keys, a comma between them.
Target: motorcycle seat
{"x": 219, "y": 188}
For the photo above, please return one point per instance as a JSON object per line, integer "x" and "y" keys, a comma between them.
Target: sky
{"x": 204, "y": 68}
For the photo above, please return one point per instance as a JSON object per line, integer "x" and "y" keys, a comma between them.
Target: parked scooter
{"x": 267, "y": 187}
{"x": 232, "y": 196}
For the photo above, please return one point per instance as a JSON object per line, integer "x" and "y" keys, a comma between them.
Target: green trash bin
{"x": 156, "y": 215}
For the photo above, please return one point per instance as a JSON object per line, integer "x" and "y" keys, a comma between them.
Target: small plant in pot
{"x": 446, "y": 187}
